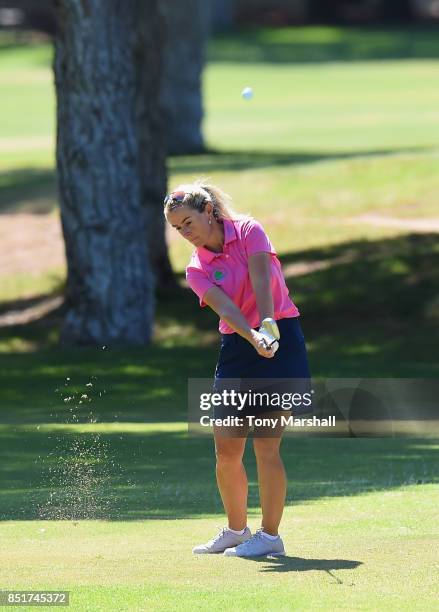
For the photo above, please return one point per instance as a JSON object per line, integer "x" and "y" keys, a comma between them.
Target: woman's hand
{"x": 259, "y": 343}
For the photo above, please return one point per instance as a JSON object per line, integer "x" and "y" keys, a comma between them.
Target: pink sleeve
{"x": 198, "y": 282}
{"x": 255, "y": 238}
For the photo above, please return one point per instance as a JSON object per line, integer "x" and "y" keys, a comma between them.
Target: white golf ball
{"x": 247, "y": 93}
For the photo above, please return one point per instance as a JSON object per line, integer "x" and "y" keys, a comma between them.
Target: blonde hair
{"x": 199, "y": 193}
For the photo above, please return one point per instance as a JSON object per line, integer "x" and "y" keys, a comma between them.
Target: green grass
{"x": 366, "y": 107}
{"x": 359, "y": 526}
{"x": 343, "y": 123}
{"x": 131, "y": 565}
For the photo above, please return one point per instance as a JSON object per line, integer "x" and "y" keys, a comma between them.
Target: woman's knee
{"x": 266, "y": 448}
{"x": 229, "y": 452}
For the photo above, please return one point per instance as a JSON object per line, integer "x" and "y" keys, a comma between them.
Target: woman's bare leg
{"x": 271, "y": 476}
{"x": 231, "y": 477}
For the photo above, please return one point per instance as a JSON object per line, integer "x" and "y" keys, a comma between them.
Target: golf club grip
{"x": 270, "y": 327}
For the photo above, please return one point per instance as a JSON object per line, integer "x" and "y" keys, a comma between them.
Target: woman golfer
{"x": 234, "y": 269}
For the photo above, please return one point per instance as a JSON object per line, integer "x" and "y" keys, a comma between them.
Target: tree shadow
{"x": 123, "y": 475}
{"x": 373, "y": 293}
{"x": 23, "y": 304}
{"x": 34, "y": 321}
{"x": 32, "y": 190}
{"x": 222, "y": 160}
{"x": 13, "y": 41}
{"x": 28, "y": 190}
{"x": 324, "y": 44}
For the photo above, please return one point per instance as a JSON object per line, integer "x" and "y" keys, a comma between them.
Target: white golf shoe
{"x": 257, "y": 546}
{"x": 224, "y": 539}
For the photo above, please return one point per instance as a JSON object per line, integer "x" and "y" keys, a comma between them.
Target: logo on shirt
{"x": 218, "y": 275}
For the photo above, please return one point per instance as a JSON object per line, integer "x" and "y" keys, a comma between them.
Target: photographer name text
{"x": 273, "y": 422}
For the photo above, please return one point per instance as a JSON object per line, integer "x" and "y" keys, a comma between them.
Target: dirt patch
{"x": 31, "y": 244}
{"x": 301, "y": 268}
{"x": 28, "y": 143}
{"x": 420, "y": 226}
{"x": 34, "y": 243}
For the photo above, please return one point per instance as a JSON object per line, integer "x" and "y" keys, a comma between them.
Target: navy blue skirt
{"x": 239, "y": 360}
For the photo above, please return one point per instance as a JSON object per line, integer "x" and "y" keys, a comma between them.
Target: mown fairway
{"x": 360, "y": 526}
{"x": 337, "y": 157}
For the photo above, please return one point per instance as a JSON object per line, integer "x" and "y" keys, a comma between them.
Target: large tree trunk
{"x": 110, "y": 286}
{"x": 187, "y": 31}
{"x": 153, "y": 176}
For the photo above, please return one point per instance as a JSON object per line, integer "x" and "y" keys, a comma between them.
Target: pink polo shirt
{"x": 228, "y": 270}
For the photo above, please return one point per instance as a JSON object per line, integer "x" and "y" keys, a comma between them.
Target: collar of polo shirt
{"x": 229, "y": 236}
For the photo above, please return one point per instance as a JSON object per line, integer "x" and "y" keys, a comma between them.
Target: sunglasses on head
{"x": 176, "y": 196}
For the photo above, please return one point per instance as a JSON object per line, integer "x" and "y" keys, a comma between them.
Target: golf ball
{"x": 247, "y": 93}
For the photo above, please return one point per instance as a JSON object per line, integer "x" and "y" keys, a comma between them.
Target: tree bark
{"x": 110, "y": 286}
{"x": 187, "y": 25}
{"x": 151, "y": 120}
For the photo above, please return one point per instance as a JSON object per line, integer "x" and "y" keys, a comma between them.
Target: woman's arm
{"x": 259, "y": 267}
{"x": 229, "y": 312}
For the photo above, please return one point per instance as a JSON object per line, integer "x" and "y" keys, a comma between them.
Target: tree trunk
{"x": 110, "y": 288}
{"x": 322, "y": 11}
{"x": 396, "y": 11}
{"x": 187, "y": 30}
{"x": 222, "y": 14}
{"x": 153, "y": 176}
